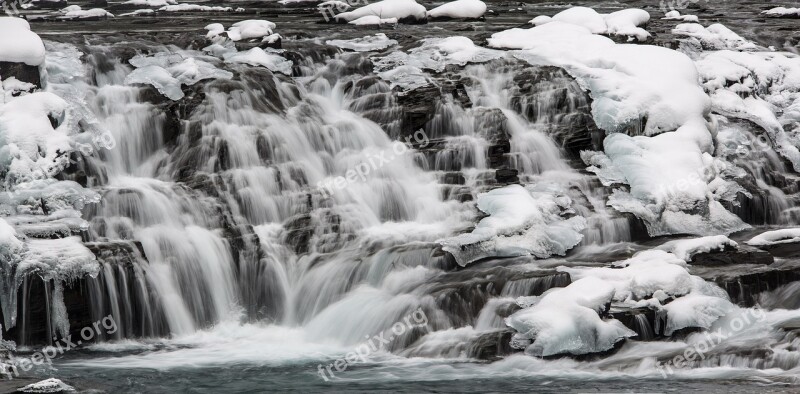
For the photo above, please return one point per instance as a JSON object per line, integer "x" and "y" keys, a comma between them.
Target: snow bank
{"x": 25, "y": 47}
{"x": 259, "y": 57}
{"x": 566, "y": 321}
{"x": 715, "y": 36}
{"x": 168, "y": 71}
{"x": 782, "y": 11}
{"x": 400, "y": 9}
{"x": 459, "y": 9}
{"x": 243, "y": 30}
{"x": 622, "y": 23}
{"x": 685, "y": 249}
{"x": 695, "y": 310}
{"x": 520, "y": 222}
{"x": 647, "y": 90}
{"x": 365, "y": 44}
{"x": 782, "y": 236}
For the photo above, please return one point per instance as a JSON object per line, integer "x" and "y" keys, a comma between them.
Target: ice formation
{"x": 377, "y": 42}
{"x": 151, "y": 3}
{"x": 676, "y": 15}
{"x": 167, "y": 72}
{"x": 685, "y": 249}
{"x": 784, "y": 235}
{"x": 51, "y": 385}
{"x": 91, "y": 13}
{"x": 260, "y": 57}
{"x": 184, "y": 7}
{"x": 459, "y": 9}
{"x": 782, "y": 11}
{"x": 373, "y": 20}
{"x": 520, "y": 222}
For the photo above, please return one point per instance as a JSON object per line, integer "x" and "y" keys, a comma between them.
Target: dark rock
{"x": 22, "y": 72}
{"x": 742, "y": 254}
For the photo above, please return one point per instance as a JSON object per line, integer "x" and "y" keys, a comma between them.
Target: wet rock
{"x": 744, "y": 282}
{"x": 784, "y": 250}
{"x": 491, "y": 346}
{"x": 742, "y": 254}
{"x": 22, "y": 72}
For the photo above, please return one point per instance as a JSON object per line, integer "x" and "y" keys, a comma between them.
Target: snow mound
{"x": 373, "y": 20}
{"x": 715, "y": 36}
{"x": 400, "y": 9}
{"x": 26, "y": 47}
{"x": 782, "y": 11}
{"x": 675, "y": 15}
{"x": 150, "y": 3}
{"x": 643, "y": 275}
{"x": 259, "y": 57}
{"x": 92, "y": 13}
{"x": 520, "y": 222}
{"x": 185, "y": 7}
{"x": 782, "y": 236}
{"x": 685, "y": 249}
{"x": 459, "y": 9}
{"x": 622, "y": 23}
{"x": 566, "y": 321}
{"x": 365, "y": 44}
{"x": 167, "y": 72}
{"x": 145, "y": 11}
{"x": 695, "y": 310}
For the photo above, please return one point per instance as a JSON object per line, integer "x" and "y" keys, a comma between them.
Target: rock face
{"x": 742, "y": 254}
{"x": 22, "y": 72}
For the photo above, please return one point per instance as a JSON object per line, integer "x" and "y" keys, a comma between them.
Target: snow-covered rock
{"x": 259, "y": 57}
{"x": 26, "y": 47}
{"x": 186, "y": 7}
{"x": 685, "y": 249}
{"x": 51, "y": 385}
{"x": 167, "y": 72}
{"x": 621, "y": 23}
{"x": 373, "y": 20}
{"x": 97, "y": 13}
{"x": 715, "y": 36}
{"x": 150, "y": 3}
{"x": 385, "y": 9}
{"x": 676, "y": 15}
{"x": 459, "y": 9}
{"x": 520, "y": 222}
{"x": 782, "y": 236}
{"x": 793, "y": 12}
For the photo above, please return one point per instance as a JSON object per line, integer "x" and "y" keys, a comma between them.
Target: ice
{"x": 622, "y": 23}
{"x": 51, "y": 385}
{"x": 92, "y": 13}
{"x": 258, "y": 57}
{"x": 373, "y": 20}
{"x": 400, "y": 9}
{"x": 642, "y": 275}
{"x": 685, "y": 249}
{"x": 520, "y": 222}
{"x": 782, "y": 11}
{"x": 377, "y": 42}
{"x": 566, "y": 321}
{"x": 185, "y": 7}
{"x": 26, "y": 47}
{"x": 251, "y": 28}
{"x": 145, "y": 11}
{"x": 459, "y": 9}
{"x": 168, "y": 71}
{"x": 782, "y": 236}
{"x": 10, "y": 245}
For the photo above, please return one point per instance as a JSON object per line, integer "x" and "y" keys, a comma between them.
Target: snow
{"x": 459, "y": 9}
{"x": 715, "y": 36}
{"x": 695, "y": 310}
{"x": 643, "y": 275}
{"x": 782, "y": 11}
{"x": 622, "y": 23}
{"x": 167, "y": 72}
{"x": 51, "y": 385}
{"x": 185, "y": 7}
{"x": 377, "y": 42}
{"x": 150, "y": 3}
{"x": 92, "y": 13}
{"x": 566, "y": 321}
{"x": 259, "y": 57}
{"x": 685, "y": 249}
{"x": 10, "y": 245}
{"x": 520, "y": 222}
{"x": 385, "y": 9}
{"x": 373, "y": 20}
{"x": 145, "y": 11}
{"x": 26, "y": 47}
{"x": 675, "y": 15}
{"x": 775, "y": 237}
{"x": 243, "y": 30}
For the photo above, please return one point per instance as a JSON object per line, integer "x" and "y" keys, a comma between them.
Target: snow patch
{"x": 459, "y": 9}
{"x": 365, "y": 44}
{"x": 26, "y": 47}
